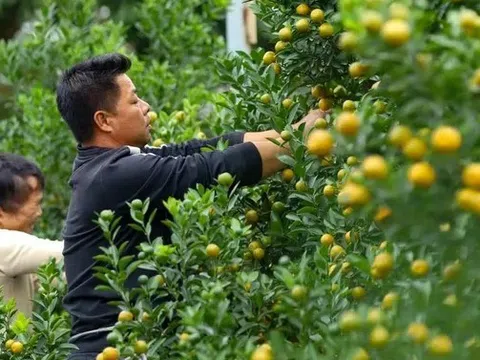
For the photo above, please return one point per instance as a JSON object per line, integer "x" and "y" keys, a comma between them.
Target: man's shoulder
{"x": 105, "y": 162}
{"x": 125, "y": 155}
{"x": 117, "y": 154}
{"x": 111, "y": 176}
{"x": 128, "y": 161}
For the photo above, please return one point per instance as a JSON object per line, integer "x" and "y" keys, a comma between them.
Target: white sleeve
{"x": 22, "y": 253}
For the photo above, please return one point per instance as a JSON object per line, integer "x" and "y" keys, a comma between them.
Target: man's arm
{"x": 308, "y": 120}
{"x": 269, "y": 153}
{"x": 194, "y": 146}
{"x": 22, "y": 253}
{"x": 158, "y": 177}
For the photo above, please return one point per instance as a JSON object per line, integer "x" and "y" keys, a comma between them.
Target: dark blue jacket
{"x": 106, "y": 178}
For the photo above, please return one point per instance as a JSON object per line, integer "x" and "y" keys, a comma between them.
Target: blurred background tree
{"x": 12, "y": 14}
{"x": 171, "y": 43}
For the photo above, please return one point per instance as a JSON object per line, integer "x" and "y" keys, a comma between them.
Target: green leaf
{"x": 20, "y": 325}
{"x": 235, "y": 225}
{"x": 308, "y": 210}
{"x": 286, "y": 276}
{"x": 359, "y": 262}
{"x": 279, "y": 343}
{"x": 136, "y": 227}
{"x": 103, "y": 288}
{"x": 132, "y": 267}
{"x": 287, "y": 159}
{"x": 125, "y": 261}
{"x": 293, "y": 217}
{"x": 253, "y": 276}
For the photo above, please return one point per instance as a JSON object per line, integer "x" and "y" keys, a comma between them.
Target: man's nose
{"x": 146, "y": 106}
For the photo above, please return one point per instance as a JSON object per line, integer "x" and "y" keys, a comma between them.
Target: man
{"x": 109, "y": 120}
{"x": 21, "y": 253}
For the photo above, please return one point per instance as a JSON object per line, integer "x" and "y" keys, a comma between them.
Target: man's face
{"x": 24, "y": 217}
{"x": 131, "y": 124}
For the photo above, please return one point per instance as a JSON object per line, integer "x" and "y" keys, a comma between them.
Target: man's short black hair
{"x": 88, "y": 87}
{"x": 14, "y": 172}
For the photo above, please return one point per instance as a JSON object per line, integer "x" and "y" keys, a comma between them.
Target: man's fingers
{"x": 310, "y": 118}
{"x": 315, "y": 114}
{"x": 316, "y": 111}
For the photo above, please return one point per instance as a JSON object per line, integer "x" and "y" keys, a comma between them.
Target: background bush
{"x": 170, "y": 44}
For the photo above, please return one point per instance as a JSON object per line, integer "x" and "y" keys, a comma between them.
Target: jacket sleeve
{"x": 22, "y": 253}
{"x": 194, "y": 146}
{"x": 160, "y": 177}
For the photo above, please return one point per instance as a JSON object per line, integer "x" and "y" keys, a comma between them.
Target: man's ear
{"x": 101, "y": 120}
